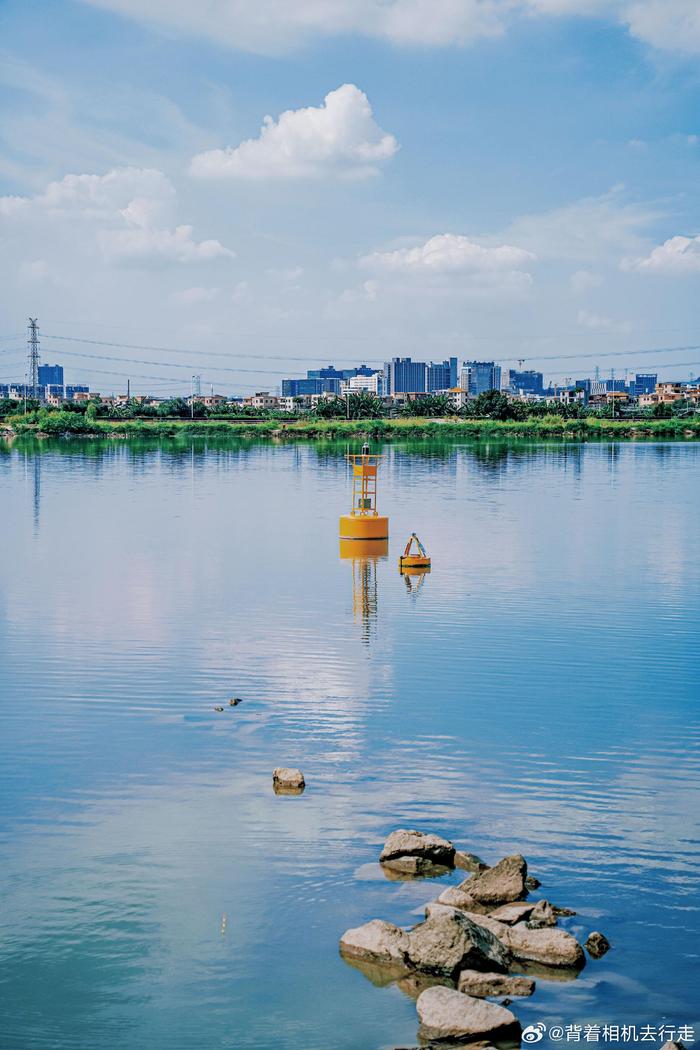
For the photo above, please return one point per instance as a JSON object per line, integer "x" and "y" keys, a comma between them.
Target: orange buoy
{"x": 364, "y": 521}
{"x": 414, "y": 563}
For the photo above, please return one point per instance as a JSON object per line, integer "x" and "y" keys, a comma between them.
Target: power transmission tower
{"x": 33, "y": 355}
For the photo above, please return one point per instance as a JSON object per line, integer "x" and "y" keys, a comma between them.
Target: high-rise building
{"x": 404, "y": 376}
{"x": 528, "y": 382}
{"x": 442, "y": 375}
{"x": 50, "y": 375}
{"x": 479, "y": 376}
{"x": 644, "y": 383}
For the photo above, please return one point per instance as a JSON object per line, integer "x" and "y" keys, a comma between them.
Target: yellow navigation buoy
{"x": 410, "y": 563}
{"x": 364, "y": 521}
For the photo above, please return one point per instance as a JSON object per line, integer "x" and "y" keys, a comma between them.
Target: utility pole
{"x": 128, "y": 390}
{"x": 192, "y": 397}
{"x": 33, "y": 355}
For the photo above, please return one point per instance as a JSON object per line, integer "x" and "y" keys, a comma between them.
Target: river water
{"x": 536, "y": 693}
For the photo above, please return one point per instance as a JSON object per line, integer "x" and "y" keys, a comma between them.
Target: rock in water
{"x": 449, "y": 942}
{"x": 504, "y": 882}
{"x": 377, "y": 940}
{"x": 288, "y": 781}
{"x": 512, "y": 913}
{"x": 482, "y": 985}
{"x": 552, "y": 946}
{"x": 469, "y": 861}
{"x": 446, "y": 1014}
{"x": 542, "y": 915}
{"x": 532, "y": 883}
{"x": 412, "y": 851}
{"x": 597, "y": 945}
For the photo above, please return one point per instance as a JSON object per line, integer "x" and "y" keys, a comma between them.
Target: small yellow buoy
{"x": 409, "y": 562}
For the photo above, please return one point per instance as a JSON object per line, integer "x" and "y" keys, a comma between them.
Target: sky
{"x": 247, "y": 190}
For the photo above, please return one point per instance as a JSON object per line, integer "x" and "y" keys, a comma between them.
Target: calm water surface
{"x": 537, "y": 693}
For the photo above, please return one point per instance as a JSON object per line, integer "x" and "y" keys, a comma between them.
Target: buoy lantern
{"x": 364, "y": 522}
{"x": 419, "y": 561}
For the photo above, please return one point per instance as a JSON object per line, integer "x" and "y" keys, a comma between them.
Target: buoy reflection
{"x": 364, "y": 555}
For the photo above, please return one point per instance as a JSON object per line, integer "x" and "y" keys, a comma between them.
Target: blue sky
{"x": 484, "y": 178}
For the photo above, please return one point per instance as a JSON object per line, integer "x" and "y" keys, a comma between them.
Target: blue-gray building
{"x": 480, "y": 377}
{"x": 50, "y": 375}
{"x": 404, "y": 376}
{"x": 644, "y": 383}
{"x": 529, "y": 382}
{"x": 442, "y": 375}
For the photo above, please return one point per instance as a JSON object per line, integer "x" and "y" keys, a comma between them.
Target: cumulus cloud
{"x": 340, "y": 137}
{"x": 449, "y": 253}
{"x": 126, "y": 213}
{"x": 271, "y": 26}
{"x": 677, "y": 255}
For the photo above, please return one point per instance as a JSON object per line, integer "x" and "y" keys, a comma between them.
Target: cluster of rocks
{"x": 479, "y": 940}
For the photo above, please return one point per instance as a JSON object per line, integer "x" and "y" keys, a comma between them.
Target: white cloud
{"x": 271, "y": 26}
{"x": 677, "y": 255}
{"x": 125, "y": 213}
{"x": 599, "y": 322}
{"x": 340, "y": 137}
{"x": 589, "y": 230}
{"x": 449, "y": 253}
{"x": 583, "y": 281}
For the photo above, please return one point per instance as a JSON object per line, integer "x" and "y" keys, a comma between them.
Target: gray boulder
{"x": 504, "y": 882}
{"x": 446, "y": 1014}
{"x": 412, "y": 851}
{"x": 448, "y": 942}
{"x": 377, "y": 941}
{"x": 482, "y": 985}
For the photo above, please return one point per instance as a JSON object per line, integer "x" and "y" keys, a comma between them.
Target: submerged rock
{"x": 481, "y": 985}
{"x": 446, "y": 1014}
{"x": 284, "y": 779}
{"x": 469, "y": 861}
{"x": 448, "y": 942}
{"x": 504, "y": 882}
{"x": 542, "y": 915}
{"x": 415, "y": 851}
{"x": 597, "y": 944}
{"x": 377, "y": 941}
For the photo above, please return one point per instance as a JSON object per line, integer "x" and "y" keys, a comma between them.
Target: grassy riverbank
{"x": 68, "y": 423}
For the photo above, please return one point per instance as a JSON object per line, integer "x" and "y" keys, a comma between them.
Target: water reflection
{"x": 364, "y": 556}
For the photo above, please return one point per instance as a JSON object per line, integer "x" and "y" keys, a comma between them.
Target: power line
{"x": 204, "y": 353}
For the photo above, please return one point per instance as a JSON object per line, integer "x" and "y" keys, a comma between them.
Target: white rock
{"x": 377, "y": 940}
{"x": 446, "y": 1014}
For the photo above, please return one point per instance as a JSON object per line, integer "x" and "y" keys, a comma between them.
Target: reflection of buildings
{"x": 364, "y": 555}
